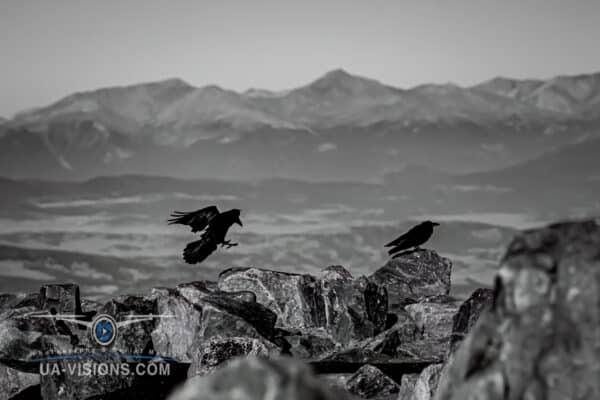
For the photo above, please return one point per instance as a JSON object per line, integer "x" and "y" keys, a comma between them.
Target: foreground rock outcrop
{"x": 394, "y": 335}
{"x": 345, "y": 307}
{"x": 259, "y": 379}
{"x": 541, "y": 339}
{"x": 335, "y": 321}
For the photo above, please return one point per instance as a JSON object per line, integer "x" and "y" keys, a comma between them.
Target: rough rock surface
{"x": 370, "y": 383}
{"x": 347, "y": 308}
{"x": 407, "y": 386}
{"x": 468, "y": 314}
{"x": 13, "y": 382}
{"x": 380, "y": 348}
{"x": 292, "y": 296}
{"x": 434, "y": 320}
{"x": 413, "y": 277}
{"x": 217, "y": 350}
{"x": 132, "y": 338}
{"x": 259, "y": 379}
{"x": 425, "y": 385}
{"x": 62, "y": 299}
{"x": 199, "y": 313}
{"x": 313, "y": 344}
{"x": 541, "y": 339}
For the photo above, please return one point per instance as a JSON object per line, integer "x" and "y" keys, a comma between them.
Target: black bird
{"x": 213, "y": 225}
{"x": 415, "y": 237}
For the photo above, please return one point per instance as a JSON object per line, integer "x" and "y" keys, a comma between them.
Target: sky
{"x": 53, "y": 48}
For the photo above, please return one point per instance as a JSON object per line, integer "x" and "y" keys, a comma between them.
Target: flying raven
{"x": 213, "y": 225}
{"x": 415, "y": 237}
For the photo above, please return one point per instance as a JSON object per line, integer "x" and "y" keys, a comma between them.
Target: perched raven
{"x": 415, "y": 237}
{"x": 213, "y": 225}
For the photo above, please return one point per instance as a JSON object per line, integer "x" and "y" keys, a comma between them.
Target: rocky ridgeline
{"x": 396, "y": 334}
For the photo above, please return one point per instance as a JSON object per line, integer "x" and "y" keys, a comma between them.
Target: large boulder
{"x": 540, "y": 340}
{"x": 132, "y": 338}
{"x": 353, "y": 308}
{"x": 370, "y": 383}
{"x": 347, "y": 308}
{"x": 258, "y": 379}
{"x": 434, "y": 320}
{"x": 217, "y": 350}
{"x": 468, "y": 313}
{"x": 313, "y": 344}
{"x": 61, "y": 299}
{"x": 424, "y": 386}
{"x": 413, "y": 277}
{"x": 292, "y": 297}
{"x": 196, "y": 312}
{"x": 382, "y": 347}
{"x": 24, "y": 336}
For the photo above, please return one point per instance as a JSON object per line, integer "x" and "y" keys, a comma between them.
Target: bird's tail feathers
{"x": 399, "y": 246}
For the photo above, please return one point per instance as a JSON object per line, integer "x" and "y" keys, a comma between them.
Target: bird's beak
{"x": 239, "y": 222}
{"x": 436, "y": 224}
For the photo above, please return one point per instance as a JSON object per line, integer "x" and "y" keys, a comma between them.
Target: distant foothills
{"x": 338, "y": 127}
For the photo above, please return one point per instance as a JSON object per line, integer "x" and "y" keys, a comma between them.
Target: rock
{"x": 11, "y": 301}
{"x": 292, "y": 297}
{"x": 215, "y": 351}
{"x": 199, "y": 314}
{"x": 414, "y": 277}
{"x": 425, "y": 384}
{"x": 540, "y": 340}
{"x": 383, "y": 347}
{"x": 132, "y": 338}
{"x": 407, "y": 386}
{"x": 174, "y": 336}
{"x": 257, "y": 379}
{"x": 468, "y": 314}
{"x": 313, "y": 344}
{"x": 23, "y": 338}
{"x": 61, "y": 299}
{"x": 433, "y": 350}
{"x": 370, "y": 383}
{"x": 405, "y": 330}
{"x": 353, "y": 308}
{"x": 335, "y": 381}
{"x": 13, "y": 382}
{"x": 434, "y": 320}
{"x": 347, "y": 308}
{"x": 26, "y": 300}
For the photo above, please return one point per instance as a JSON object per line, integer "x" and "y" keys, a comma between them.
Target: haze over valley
{"x": 325, "y": 173}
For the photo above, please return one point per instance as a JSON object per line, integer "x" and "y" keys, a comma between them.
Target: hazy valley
{"x": 325, "y": 174}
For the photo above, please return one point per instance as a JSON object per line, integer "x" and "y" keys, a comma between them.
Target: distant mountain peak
{"x": 175, "y": 82}
{"x": 338, "y": 77}
{"x": 338, "y": 73}
{"x": 340, "y": 81}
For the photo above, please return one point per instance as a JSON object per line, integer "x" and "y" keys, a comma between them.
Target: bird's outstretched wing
{"x": 197, "y": 220}
{"x": 196, "y": 252}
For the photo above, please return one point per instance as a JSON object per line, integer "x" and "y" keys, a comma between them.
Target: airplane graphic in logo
{"x": 104, "y": 328}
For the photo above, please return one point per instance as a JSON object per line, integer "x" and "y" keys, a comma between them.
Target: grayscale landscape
{"x": 325, "y": 174}
{"x": 299, "y": 200}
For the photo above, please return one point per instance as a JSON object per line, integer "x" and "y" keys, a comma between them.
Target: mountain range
{"x": 338, "y": 127}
